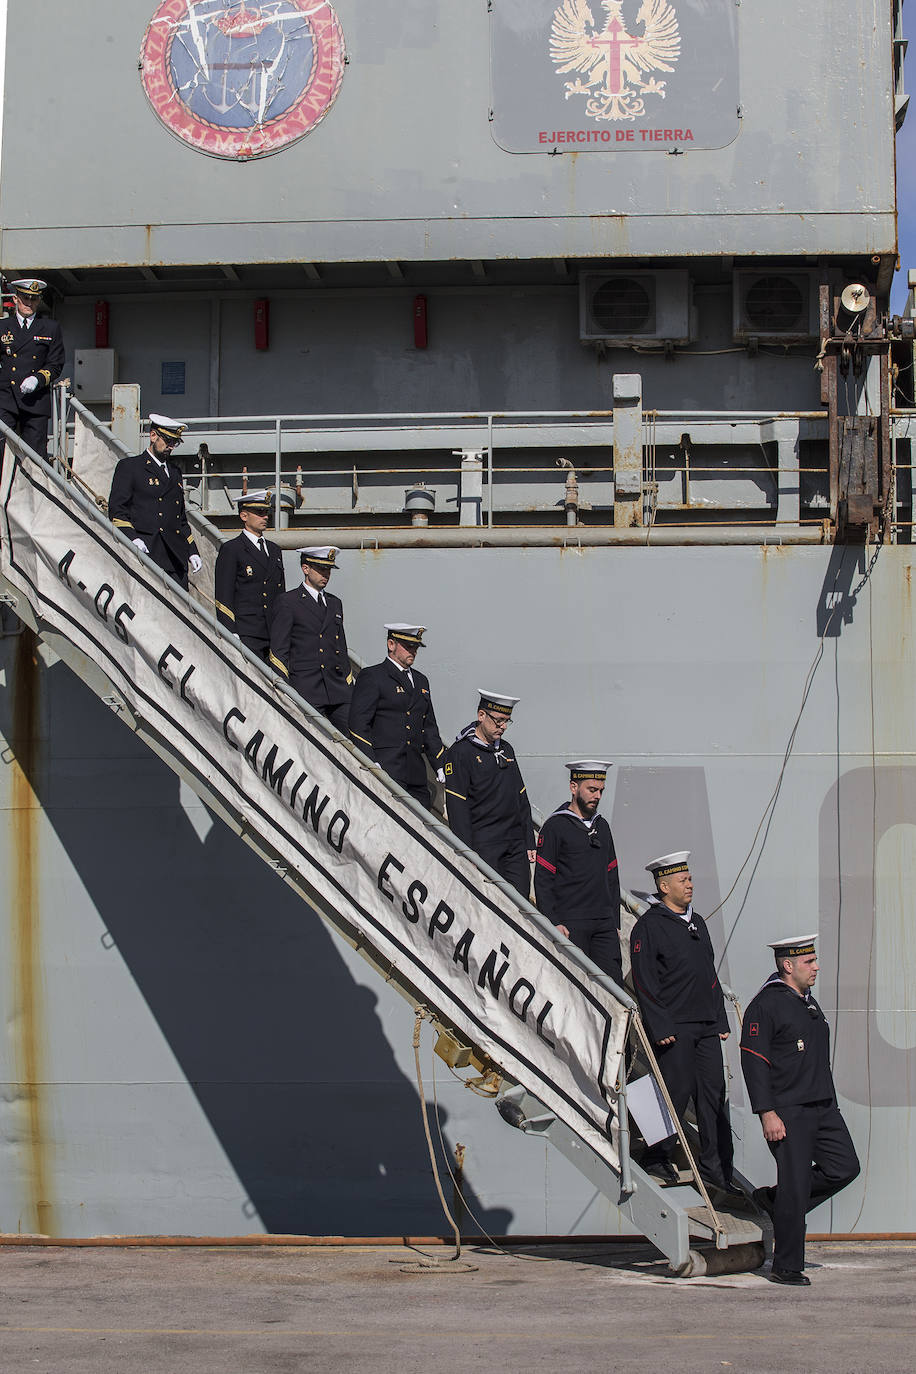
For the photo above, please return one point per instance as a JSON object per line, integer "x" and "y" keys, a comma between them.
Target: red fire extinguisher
{"x": 262, "y": 324}
{"x": 420, "y": 326}
{"x": 101, "y": 324}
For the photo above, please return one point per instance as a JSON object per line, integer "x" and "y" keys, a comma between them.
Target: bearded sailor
{"x": 146, "y": 502}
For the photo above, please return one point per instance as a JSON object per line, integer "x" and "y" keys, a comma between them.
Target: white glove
{"x": 440, "y": 775}
{"x": 138, "y": 543}
{"x": 195, "y": 562}
{"x": 28, "y": 385}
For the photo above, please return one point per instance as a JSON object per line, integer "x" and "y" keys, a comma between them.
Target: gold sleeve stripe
{"x": 360, "y": 738}
{"x": 122, "y": 525}
{"x": 459, "y": 795}
{"x": 190, "y": 539}
{"x": 225, "y": 610}
{"x": 282, "y": 666}
{"x": 441, "y": 752}
{"x": 47, "y": 376}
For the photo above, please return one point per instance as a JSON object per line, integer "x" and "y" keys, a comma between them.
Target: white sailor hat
{"x": 172, "y": 429}
{"x": 409, "y": 635}
{"x": 496, "y": 701}
{"x": 669, "y": 863}
{"x": 585, "y": 770}
{"x": 794, "y": 946}
{"x": 323, "y": 556}
{"x": 29, "y": 287}
{"x": 255, "y": 500}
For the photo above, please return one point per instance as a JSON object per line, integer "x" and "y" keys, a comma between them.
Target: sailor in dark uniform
{"x": 576, "y": 882}
{"x": 785, "y": 1056}
{"x": 392, "y": 718}
{"x": 147, "y": 503}
{"x": 487, "y": 803}
{"x": 680, "y": 998}
{"x": 307, "y": 640}
{"x": 31, "y": 360}
{"x": 249, "y": 577}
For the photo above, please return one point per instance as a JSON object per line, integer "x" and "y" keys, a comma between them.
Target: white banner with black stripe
{"x": 471, "y": 951}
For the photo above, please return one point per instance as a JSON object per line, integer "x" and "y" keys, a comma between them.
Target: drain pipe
{"x": 571, "y": 495}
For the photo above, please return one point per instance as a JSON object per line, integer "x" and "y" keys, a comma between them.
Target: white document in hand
{"x": 648, "y": 1109}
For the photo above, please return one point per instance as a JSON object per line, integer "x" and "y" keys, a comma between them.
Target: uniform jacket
{"x": 674, "y": 973}
{"x": 148, "y": 504}
{"x": 394, "y": 723}
{"x": 785, "y": 1049}
{"x": 573, "y": 877}
{"x": 487, "y": 803}
{"x": 308, "y": 645}
{"x": 247, "y": 584}
{"x": 36, "y": 352}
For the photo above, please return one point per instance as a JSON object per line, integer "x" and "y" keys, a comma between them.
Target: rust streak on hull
{"x": 28, "y": 1018}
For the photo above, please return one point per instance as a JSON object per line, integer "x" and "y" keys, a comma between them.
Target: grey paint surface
{"x": 404, "y": 166}
{"x": 212, "y": 1061}
{"x": 515, "y": 349}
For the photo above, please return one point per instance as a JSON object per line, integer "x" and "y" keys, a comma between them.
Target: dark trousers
{"x": 420, "y": 794}
{"x": 511, "y": 863}
{"x": 600, "y": 940}
{"x": 32, "y": 429}
{"x": 259, "y": 646}
{"x": 815, "y": 1160}
{"x": 692, "y": 1068}
{"x": 338, "y": 715}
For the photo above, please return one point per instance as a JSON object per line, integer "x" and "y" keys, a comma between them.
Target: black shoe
{"x": 789, "y": 1276}
{"x": 765, "y": 1199}
{"x": 663, "y": 1170}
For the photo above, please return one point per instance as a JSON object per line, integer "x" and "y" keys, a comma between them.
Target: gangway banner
{"x": 472, "y": 952}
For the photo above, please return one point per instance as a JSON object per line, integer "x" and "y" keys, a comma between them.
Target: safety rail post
{"x": 277, "y": 464}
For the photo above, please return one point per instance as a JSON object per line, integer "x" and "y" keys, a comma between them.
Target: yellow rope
{"x": 429, "y": 1262}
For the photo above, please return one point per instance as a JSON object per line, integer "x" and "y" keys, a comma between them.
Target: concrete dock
{"x": 281, "y": 1310}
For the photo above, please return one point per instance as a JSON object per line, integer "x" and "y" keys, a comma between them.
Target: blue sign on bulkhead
{"x": 614, "y": 75}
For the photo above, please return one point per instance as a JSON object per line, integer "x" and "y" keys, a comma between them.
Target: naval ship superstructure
{"x": 569, "y": 324}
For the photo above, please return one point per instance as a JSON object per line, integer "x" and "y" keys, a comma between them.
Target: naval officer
{"x": 680, "y": 998}
{"x": 785, "y": 1057}
{"x": 487, "y": 803}
{"x": 576, "y": 882}
{"x": 31, "y": 360}
{"x": 147, "y": 502}
{"x": 249, "y": 577}
{"x": 391, "y": 714}
{"x": 307, "y": 640}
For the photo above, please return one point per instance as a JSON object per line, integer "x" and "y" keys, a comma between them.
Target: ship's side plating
{"x": 184, "y": 1051}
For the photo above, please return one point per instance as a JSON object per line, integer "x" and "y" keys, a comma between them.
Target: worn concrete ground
{"x": 349, "y": 1309}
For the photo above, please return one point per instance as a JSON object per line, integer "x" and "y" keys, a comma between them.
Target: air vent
{"x": 774, "y": 305}
{"x": 634, "y": 307}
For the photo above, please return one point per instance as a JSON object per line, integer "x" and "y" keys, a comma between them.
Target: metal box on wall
{"x": 95, "y": 371}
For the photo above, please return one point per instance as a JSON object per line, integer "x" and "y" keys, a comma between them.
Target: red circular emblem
{"x": 242, "y": 78}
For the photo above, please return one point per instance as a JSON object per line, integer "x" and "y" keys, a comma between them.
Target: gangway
{"x": 509, "y": 997}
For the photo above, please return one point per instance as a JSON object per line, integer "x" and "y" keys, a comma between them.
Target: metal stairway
{"x": 510, "y": 997}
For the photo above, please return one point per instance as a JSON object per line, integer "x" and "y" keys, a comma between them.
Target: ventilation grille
{"x": 634, "y": 307}
{"x": 774, "y": 305}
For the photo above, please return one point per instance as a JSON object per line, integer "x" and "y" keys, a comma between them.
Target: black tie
{"x": 321, "y": 600}
{"x": 262, "y": 546}
{"x": 410, "y": 677}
